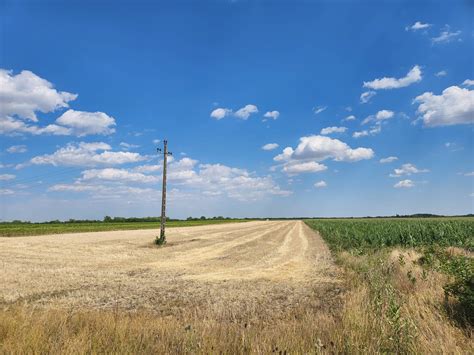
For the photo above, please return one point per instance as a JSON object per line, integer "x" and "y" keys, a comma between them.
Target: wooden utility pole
{"x": 162, "y": 239}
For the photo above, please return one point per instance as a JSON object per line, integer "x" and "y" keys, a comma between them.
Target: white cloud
{"x": 375, "y": 129}
{"x": 84, "y": 123}
{"x": 468, "y": 82}
{"x": 270, "y": 146}
{"x": 217, "y": 180}
{"x": 319, "y": 109}
{"x": 441, "y": 73}
{"x": 86, "y": 154}
{"x": 404, "y": 184}
{"x": 360, "y": 134}
{"x": 366, "y": 96}
{"x": 379, "y": 116}
{"x": 469, "y": 174}
{"x": 317, "y": 148}
{"x": 111, "y": 190}
{"x": 330, "y": 130}
{"x": 6, "y": 177}
{"x": 296, "y": 167}
{"x": 446, "y": 36}
{"x": 17, "y": 149}
{"x": 220, "y": 113}
{"x": 128, "y": 145}
{"x": 4, "y": 192}
{"x": 384, "y": 115}
{"x": 24, "y": 94}
{"x": 242, "y": 113}
{"x": 388, "y": 160}
{"x": 272, "y": 115}
{"x": 122, "y": 175}
{"x": 418, "y": 26}
{"x": 147, "y": 168}
{"x": 413, "y": 76}
{"x": 349, "y": 118}
{"x": 454, "y": 106}
{"x": 156, "y": 141}
{"x": 245, "y": 112}
{"x": 320, "y": 184}
{"x": 407, "y": 169}
{"x": 15, "y": 127}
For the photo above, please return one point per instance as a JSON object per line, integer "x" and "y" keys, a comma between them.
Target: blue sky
{"x": 87, "y": 89}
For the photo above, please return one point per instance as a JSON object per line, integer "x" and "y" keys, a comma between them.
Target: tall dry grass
{"x": 390, "y": 306}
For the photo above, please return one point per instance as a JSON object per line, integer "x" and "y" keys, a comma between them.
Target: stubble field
{"x": 255, "y": 287}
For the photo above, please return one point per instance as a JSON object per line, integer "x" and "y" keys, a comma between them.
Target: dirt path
{"x": 231, "y": 267}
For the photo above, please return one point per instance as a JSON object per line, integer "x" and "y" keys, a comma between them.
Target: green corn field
{"x": 375, "y": 233}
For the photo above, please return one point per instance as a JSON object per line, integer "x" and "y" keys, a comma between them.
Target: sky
{"x": 270, "y": 108}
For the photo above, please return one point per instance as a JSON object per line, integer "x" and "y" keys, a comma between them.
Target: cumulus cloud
{"x": 418, "y": 26}
{"x": 454, "y": 106}
{"x": 320, "y": 184}
{"x": 24, "y": 94}
{"x": 468, "y": 82}
{"x": 148, "y": 168}
{"x": 112, "y": 190}
{"x": 295, "y": 167}
{"x": 407, "y": 169}
{"x": 236, "y": 183}
{"x": 317, "y": 110}
{"x": 85, "y": 123}
{"x": 376, "y": 129}
{"x": 122, "y": 175}
{"x": 441, "y": 73}
{"x": 446, "y": 36}
{"x": 211, "y": 180}
{"x": 388, "y": 160}
{"x": 366, "y": 96}
{"x": 272, "y": 115}
{"x": 5, "y": 192}
{"x": 242, "y": 113}
{"x": 330, "y": 130}
{"x": 318, "y": 148}
{"x": 270, "y": 146}
{"x": 413, "y": 76}
{"x": 349, "y": 118}
{"x": 379, "y": 116}
{"x": 17, "y": 149}
{"x": 127, "y": 146}
{"x": 86, "y": 154}
{"x": 6, "y": 177}
{"x": 245, "y": 112}
{"x": 220, "y": 113}
{"x": 404, "y": 184}
{"x": 13, "y": 126}
{"x": 359, "y": 134}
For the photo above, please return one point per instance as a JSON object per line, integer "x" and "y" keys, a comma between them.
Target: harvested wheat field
{"x": 254, "y": 287}
{"x": 231, "y": 268}
{"x": 211, "y": 287}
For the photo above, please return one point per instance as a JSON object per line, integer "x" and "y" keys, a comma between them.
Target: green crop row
{"x": 366, "y": 234}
